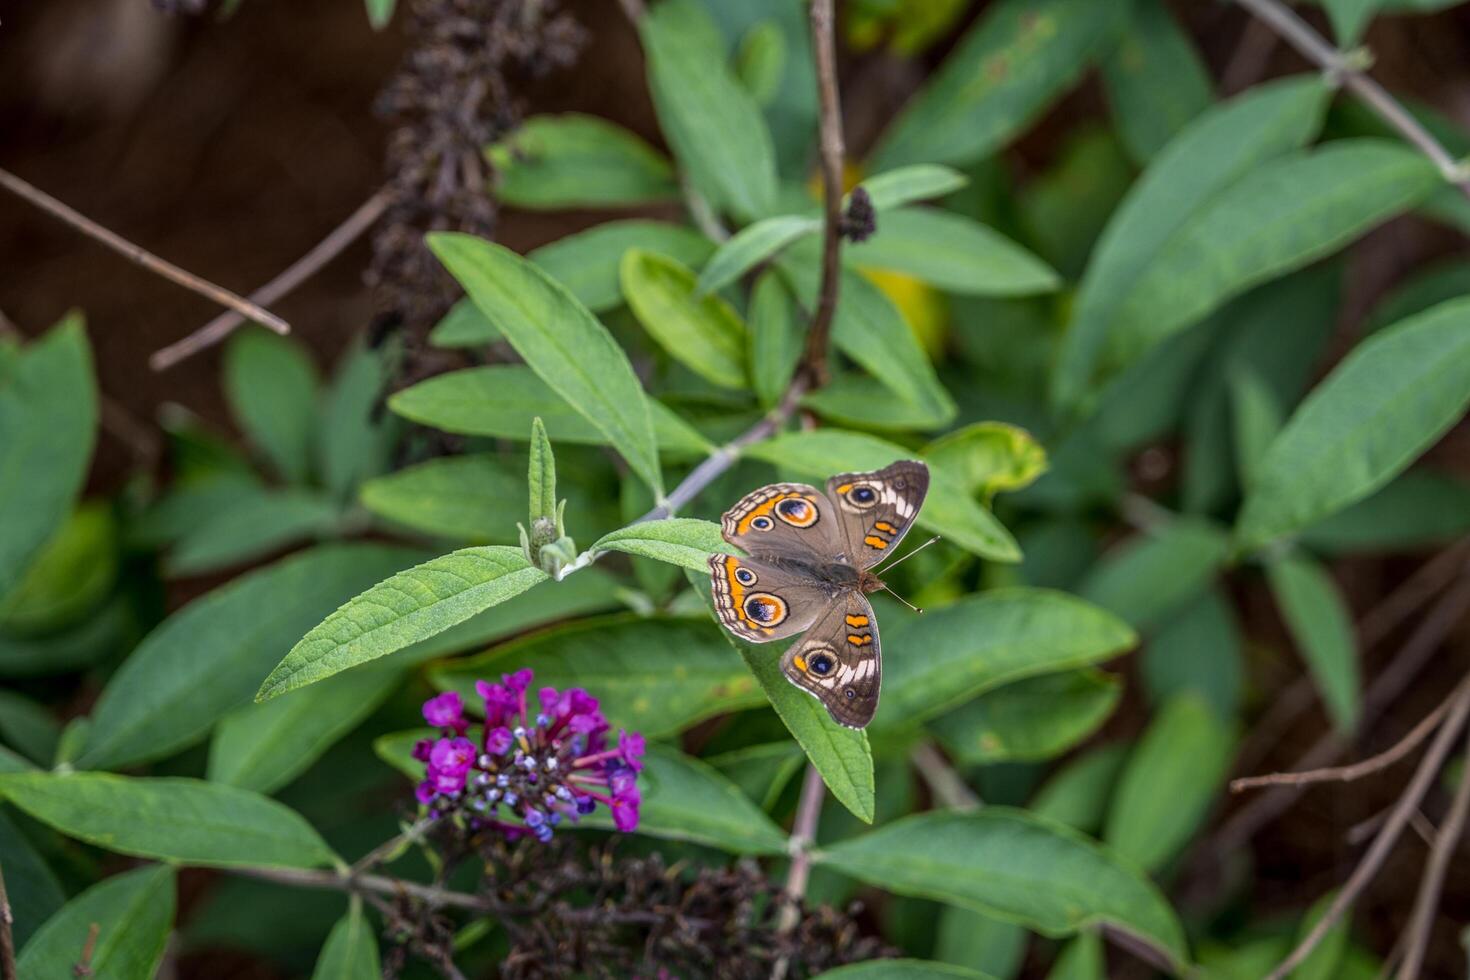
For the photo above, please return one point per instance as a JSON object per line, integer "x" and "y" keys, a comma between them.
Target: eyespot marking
{"x": 821, "y": 665}
{"x": 850, "y": 693}
{"x": 762, "y": 523}
{"x": 873, "y": 541}
{"x": 797, "y": 511}
{"x": 744, "y": 576}
{"x": 857, "y": 621}
{"x": 862, "y": 495}
{"x": 764, "y": 610}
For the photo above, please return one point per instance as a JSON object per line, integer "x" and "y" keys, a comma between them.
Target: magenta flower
{"x": 530, "y": 773}
{"x": 446, "y": 711}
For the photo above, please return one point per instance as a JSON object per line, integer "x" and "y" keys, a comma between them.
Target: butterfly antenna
{"x": 911, "y": 554}
{"x": 902, "y": 599}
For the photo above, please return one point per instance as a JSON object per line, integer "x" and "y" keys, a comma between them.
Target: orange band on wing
{"x": 856, "y": 621}
{"x": 884, "y": 526}
{"x": 859, "y": 641}
{"x": 873, "y": 541}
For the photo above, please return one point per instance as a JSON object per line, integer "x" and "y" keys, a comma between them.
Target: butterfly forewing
{"x": 787, "y": 520}
{"x": 877, "y": 509}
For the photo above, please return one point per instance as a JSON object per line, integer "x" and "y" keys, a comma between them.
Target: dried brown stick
{"x": 943, "y": 782}
{"x": 1378, "y": 852}
{"x": 803, "y": 835}
{"x": 1357, "y": 770}
{"x": 1427, "y": 900}
{"x": 7, "y": 935}
{"x": 824, "y": 50}
{"x": 289, "y": 279}
{"x": 140, "y": 255}
{"x": 1300, "y": 35}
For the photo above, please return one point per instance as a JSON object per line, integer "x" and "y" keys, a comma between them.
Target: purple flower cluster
{"x": 542, "y": 769}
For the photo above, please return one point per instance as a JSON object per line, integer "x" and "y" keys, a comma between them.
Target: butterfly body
{"x": 810, "y": 555}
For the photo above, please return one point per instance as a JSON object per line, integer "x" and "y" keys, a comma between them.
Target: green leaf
{"x": 68, "y": 578}
{"x": 167, "y": 694}
{"x": 460, "y": 497}
{"x": 1015, "y": 866}
{"x": 1420, "y": 509}
{"x": 713, "y": 125}
{"x": 911, "y": 184}
{"x": 562, "y": 342}
{"x": 541, "y": 475}
{"x": 1147, "y": 576}
{"x": 1079, "y": 794}
{"x": 990, "y": 457}
{"x": 183, "y": 820}
{"x": 1081, "y": 959}
{"x": 571, "y": 160}
{"x": 953, "y": 253}
{"x": 396, "y": 749}
{"x": 1435, "y": 283}
{"x": 857, "y": 401}
{"x": 1274, "y": 219}
{"x": 761, "y": 771}
{"x": 31, "y": 886}
{"x": 687, "y": 799}
{"x": 351, "y": 951}
{"x": 464, "y": 326}
{"x": 271, "y": 387}
{"x": 1209, "y": 155}
{"x": 13, "y": 762}
{"x": 410, "y": 606}
{"x": 1350, "y": 18}
{"x": 1383, "y": 404}
{"x": 132, "y": 914}
{"x": 1318, "y": 619}
{"x": 353, "y": 440}
{"x": 984, "y": 641}
{"x": 702, "y": 333}
{"x": 1199, "y": 649}
{"x": 1155, "y": 80}
{"x": 752, "y": 245}
{"x": 775, "y": 338}
{"x": 903, "y": 970}
{"x": 1172, "y": 777}
{"x": 30, "y": 728}
{"x": 967, "y": 938}
{"x": 868, "y": 328}
{"x": 677, "y": 540}
{"x": 761, "y": 61}
{"x": 251, "y": 528}
{"x": 588, "y": 262}
{"x": 1257, "y": 417}
{"x": 501, "y": 400}
{"x": 1018, "y": 57}
{"x": 949, "y": 509}
{"x": 1037, "y": 718}
{"x": 48, "y": 421}
{"x": 656, "y": 676}
{"x": 262, "y": 747}
{"x": 841, "y": 755}
{"x": 379, "y": 12}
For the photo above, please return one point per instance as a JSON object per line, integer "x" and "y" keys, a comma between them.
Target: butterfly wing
{"x": 838, "y": 661}
{"x": 875, "y": 510}
{"x": 786, "y": 520}
{"x": 759, "y": 601}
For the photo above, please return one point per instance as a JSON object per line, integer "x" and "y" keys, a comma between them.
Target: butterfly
{"x": 809, "y": 569}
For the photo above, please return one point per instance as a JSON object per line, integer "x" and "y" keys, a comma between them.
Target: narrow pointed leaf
{"x": 410, "y": 606}
{"x": 912, "y": 184}
{"x": 701, "y": 332}
{"x": 561, "y": 341}
{"x": 952, "y": 252}
{"x": 775, "y": 338}
{"x": 351, "y": 951}
{"x": 183, "y": 820}
{"x": 1156, "y": 81}
{"x": 1013, "y": 865}
{"x": 1145, "y": 578}
{"x": 678, "y": 540}
{"x": 1318, "y": 619}
{"x": 132, "y": 914}
{"x": 752, "y": 245}
{"x": 904, "y": 970}
{"x": 587, "y": 262}
{"x": 571, "y": 160}
{"x": 271, "y": 386}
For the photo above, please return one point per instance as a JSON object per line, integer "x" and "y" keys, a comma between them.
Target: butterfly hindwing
{"x": 838, "y": 661}
{"x": 759, "y": 601}
{"x": 877, "y": 509}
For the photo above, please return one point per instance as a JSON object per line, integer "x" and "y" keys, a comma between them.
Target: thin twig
{"x": 946, "y": 785}
{"x": 1357, "y": 770}
{"x": 83, "y": 966}
{"x": 824, "y": 51}
{"x": 1300, "y": 35}
{"x": 140, "y": 255}
{"x": 1425, "y": 903}
{"x": 291, "y": 277}
{"x": 378, "y": 854}
{"x": 7, "y": 937}
{"x": 1385, "y": 689}
{"x": 803, "y": 836}
{"x": 1368, "y": 867}
{"x": 380, "y": 884}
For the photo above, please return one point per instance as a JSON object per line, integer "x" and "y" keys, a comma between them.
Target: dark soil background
{"x": 232, "y": 147}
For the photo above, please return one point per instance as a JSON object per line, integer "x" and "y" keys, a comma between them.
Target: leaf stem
{"x": 140, "y": 255}
{"x": 946, "y": 785}
{"x": 824, "y": 51}
{"x": 1344, "y": 70}
{"x": 291, "y": 277}
{"x": 803, "y": 835}
{"x": 364, "y": 883}
{"x": 7, "y": 937}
